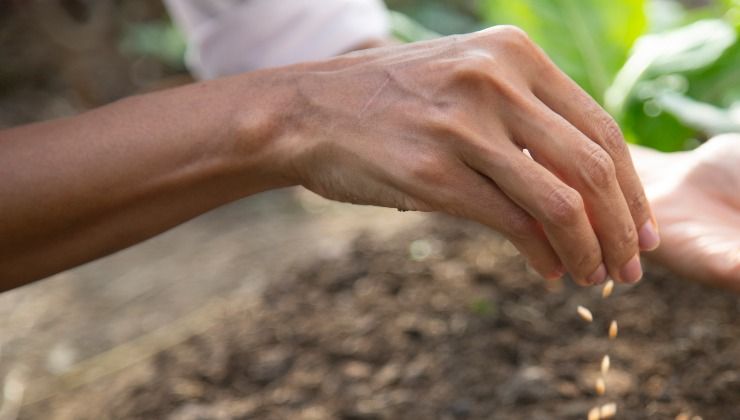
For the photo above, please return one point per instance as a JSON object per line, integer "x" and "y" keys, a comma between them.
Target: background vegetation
{"x": 669, "y": 71}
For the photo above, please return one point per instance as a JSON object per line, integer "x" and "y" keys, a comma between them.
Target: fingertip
{"x": 555, "y": 274}
{"x": 598, "y": 276}
{"x": 648, "y": 236}
{"x": 632, "y": 271}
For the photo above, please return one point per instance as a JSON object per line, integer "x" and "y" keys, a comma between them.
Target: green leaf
{"x": 588, "y": 39}
{"x": 680, "y": 86}
{"x": 686, "y": 49}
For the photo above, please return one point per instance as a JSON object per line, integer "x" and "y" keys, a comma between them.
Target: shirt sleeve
{"x": 232, "y": 36}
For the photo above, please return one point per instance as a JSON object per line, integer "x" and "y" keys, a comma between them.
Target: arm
{"x": 434, "y": 126}
{"x": 75, "y": 189}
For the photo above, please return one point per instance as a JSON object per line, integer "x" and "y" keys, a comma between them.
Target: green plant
{"x": 679, "y": 86}
{"x": 670, "y": 75}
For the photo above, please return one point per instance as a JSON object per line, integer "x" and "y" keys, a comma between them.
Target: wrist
{"x": 263, "y": 126}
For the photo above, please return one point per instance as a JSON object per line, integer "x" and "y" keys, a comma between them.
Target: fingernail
{"x": 557, "y": 273}
{"x": 598, "y": 276}
{"x": 632, "y": 271}
{"x": 648, "y": 237}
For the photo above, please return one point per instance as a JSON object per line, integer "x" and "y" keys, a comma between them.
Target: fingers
{"x": 479, "y": 199}
{"x": 558, "y": 207}
{"x": 567, "y": 99}
{"x": 590, "y": 170}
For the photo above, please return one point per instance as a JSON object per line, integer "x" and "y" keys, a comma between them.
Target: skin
{"x": 434, "y": 126}
{"x": 696, "y": 201}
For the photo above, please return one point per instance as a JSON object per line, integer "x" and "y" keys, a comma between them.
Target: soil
{"x": 444, "y": 321}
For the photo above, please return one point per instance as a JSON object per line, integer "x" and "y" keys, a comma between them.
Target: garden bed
{"x": 442, "y": 322}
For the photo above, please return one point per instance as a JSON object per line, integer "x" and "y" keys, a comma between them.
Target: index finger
{"x": 565, "y": 97}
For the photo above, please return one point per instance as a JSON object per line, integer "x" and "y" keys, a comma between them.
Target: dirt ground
{"x": 443, "y": 321}
{"x": 209, "y": 321}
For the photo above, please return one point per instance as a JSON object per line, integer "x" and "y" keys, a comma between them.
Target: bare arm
{"x": 75, "y": 189}
{"x": 434, "y": 126}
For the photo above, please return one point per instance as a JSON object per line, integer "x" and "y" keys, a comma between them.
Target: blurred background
{"x": 669, "y": 72}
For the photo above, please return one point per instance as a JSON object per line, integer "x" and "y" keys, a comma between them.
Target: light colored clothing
{"x": 232, "y": 36}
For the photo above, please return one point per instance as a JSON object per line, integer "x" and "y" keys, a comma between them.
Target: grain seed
{"x": 608, "y": 411}
{"x": 600, "y": 386}
{"x": 613, "y": 330}
{"x": 594, "y": 414}
{"x": 608, "y": 289}
{"x": 605, "y": 362}
{"x": 585, "y": 314}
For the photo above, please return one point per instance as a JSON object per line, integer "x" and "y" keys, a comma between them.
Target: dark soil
{"x": 445, "y": 322}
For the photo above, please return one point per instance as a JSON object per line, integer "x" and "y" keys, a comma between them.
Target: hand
{"x": 696, "y": 199}
{"x": 442, "y": 126}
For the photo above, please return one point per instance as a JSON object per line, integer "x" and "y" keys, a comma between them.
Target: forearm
{"x": 75, "y": 189}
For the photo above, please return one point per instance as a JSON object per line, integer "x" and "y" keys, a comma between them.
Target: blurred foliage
{"x": 669, "y": 71}
{"x": 589, "y": 40}
{"x": 680, "y": 86}
{"x": 159, "y": 39}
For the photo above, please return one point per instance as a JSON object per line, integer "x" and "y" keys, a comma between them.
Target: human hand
{"x": 442, "y": 125}
{"x": 696, "y": 199}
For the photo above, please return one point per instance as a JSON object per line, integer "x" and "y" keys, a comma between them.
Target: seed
{"x": 600, "y": 386}
{"x": 605, "y": 362}
{"x": 682, "y": 416}
{"x": 585, "y": 314}
{"x": 594, "y": 414}
{"x": 608, "y": 411}
{"x": 613, "y": 329}
{"x": 608, "y": 289}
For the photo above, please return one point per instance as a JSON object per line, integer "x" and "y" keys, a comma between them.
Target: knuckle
{"x": 428, "y": 168}
{"x": 585, "y": 261}
{"x": 480, "y": 72}
{"x": 563, "y": 207}
{"x": 627, "y": 240}
{"x": 637, "y": 203}
{"x": 449, "y": 123}
{"x": 513, "y": 34}
{"x": 474, "y": 66}
{"x": 598, "y": 169}
{"x": 622, "y": 246}
{"x": 611, "y": 135}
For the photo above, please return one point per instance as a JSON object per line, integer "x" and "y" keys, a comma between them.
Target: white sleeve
{"x": 232, "y": 36}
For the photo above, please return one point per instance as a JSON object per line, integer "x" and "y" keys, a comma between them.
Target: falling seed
{"x": 608, "y": 289}
{"x": 594, "y": 414}
{"x": 600, "y": 386}
{"x": 605, "y": 362}
{"x": 585, "y": 314}
{"x": 608, "y": 411}
{"x": 613, "y": 329}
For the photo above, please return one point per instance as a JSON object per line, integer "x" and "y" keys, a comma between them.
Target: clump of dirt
{"x": 446, "y": 322}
